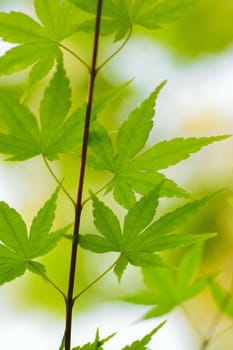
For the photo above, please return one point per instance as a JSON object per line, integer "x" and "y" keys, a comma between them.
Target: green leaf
{"x": 101, "y": 144}
{"x": 144, "y": 259}
{"x": 67, "y": 136}
{"x": 142, "y": 344}
{"x": 17, "y": 27}
{"x": 134, "y": 132}
{"x": 40, "y": 241}
{"x": 122, "y": 192}
{"x": 167, "y": 153}
{"x": 18, "y": 119}
{"x": 11, "y": 266}
{"x": 151, "y": 14}
{"x": 139, "y": 242}
{"x": 120, "y": 15}
{"x": 115, "y": 14}
{"x": 96, "y": 244}
{"x": 70, "y": 133}
{"x": 96, "y": 345}
{"x": 140, "y": 216}
{"x": 176, "y": 240}
{"x": 13, "y": 231}
{"x": 37, "y": 47}
{"x": 107, "y": 223}
{"x": 48, "y": 56}
{"x": 55, "y": 105}
{"x": 169, "y": 287}
{"x": 144, "y": 182}
{"x": 223, "y": 298}
{"x": 17, "y": 249}
{"x": 121, "y": 266}
{"x": 21, "y": 150}
{"x": 60, "y": 18}
{"x": 24, "y": 140}
{"x": 190, "y": 265}
{"x": 37, "y": 268}
{"x": 174, "y": 219}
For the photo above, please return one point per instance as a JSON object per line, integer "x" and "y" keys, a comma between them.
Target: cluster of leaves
{"x": 38, "y": 43}
{"x": 135, "y": 171}
{"x": 136, "y": 345}
{"x": 120, "y": 15}
{"x": 18, "y": 249}
{"x": 140, "y": 239}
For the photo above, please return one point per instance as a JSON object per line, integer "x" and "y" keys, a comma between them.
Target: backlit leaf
{"x": 13, "y": 231}
{"x": 54, "y": 105}
{"x": 59, "y": 18}
{"x": 17, "y": 249}
{"x": 101, "y": 144}
{"x": 40, "y": 241}
{"x": 140, "y": 215}
{"x": 166, "y": 285}
{"x": 167, "y": 153}
{"x": 134, "y": 132}
{"x": 17, "y": 27}
{"x": 11, "y": 266}
{"x": 106, "y": 222}
{"x": 23, "y": 140}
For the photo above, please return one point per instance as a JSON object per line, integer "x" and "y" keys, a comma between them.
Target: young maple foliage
{"x": 136, "y": 345}
{"x": 119, "y": 15}
{"x": 140, "y": 239}
{"x": 38, "y": 43}
{"x": 137, "y": 183}
{"x": 17, "y": 248}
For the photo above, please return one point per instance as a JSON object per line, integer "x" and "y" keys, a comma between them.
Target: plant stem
{"x": 216, "y": 321}
{"x": 59, "y": 182}
{"x": 96, "y": 280}
{"x": 78, "y": 207}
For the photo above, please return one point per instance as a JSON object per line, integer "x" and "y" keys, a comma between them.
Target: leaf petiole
{"x": 97, "y": 192}
{"x": 59, "y": 182}
{"x": 46, "y": 278}
{"x": 117, "y": 50}
{"x": 75, "y": 55}
{"x": 97, "y": 279}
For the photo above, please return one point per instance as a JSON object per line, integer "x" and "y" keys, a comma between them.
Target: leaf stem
{"x": 78, "y": 207}
{"x": 215, "y": 322}
{"x": 97, "y": 192}
{"x": 96, "y": 280}
{"x": 76, "y": 56}
{"x": 46, "y": 278}
{"x": 117, "y": 50}
{"x": 193, "y": 324}
{"x": 59, "y": 182}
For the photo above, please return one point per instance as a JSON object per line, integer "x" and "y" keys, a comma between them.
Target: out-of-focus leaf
{"x": 223, "y": 298}
{"x": 169, "y": 287}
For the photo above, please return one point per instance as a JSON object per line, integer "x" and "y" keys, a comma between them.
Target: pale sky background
{"x": 198, "y": 100}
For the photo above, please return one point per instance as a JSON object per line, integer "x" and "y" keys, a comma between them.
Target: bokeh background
{"x": 195, "y": 55}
